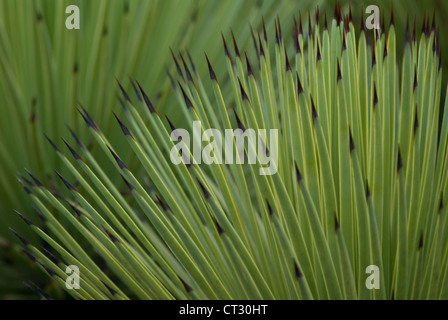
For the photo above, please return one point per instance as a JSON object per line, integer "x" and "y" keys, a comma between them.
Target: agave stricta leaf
{"x": 361, "y": 173}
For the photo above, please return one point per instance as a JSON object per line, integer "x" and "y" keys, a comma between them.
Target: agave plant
{"x": 361, "y": 178}
{"x": 45, "y": 69}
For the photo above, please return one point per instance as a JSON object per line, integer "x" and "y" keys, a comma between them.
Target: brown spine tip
{"x": 287, "y": 65}
{"x": 310, "y": 28}
{"x": 24, "y": 241}
{"x": 112, "y": 237}
{"x": 120, "y": 163}
{"x": 237, "y": 50}
{"x": 36, "y": 181}
{"x": 254, "y": 41}
{"x": 317, "y": 15}
{"x": 170, "y": 123}
{"x": 298, "y": 175}
{"x": 336, "y": 223}
{"x": 128, "y": 184}
{"x": 313, "y": 110}
{"x": 188, "y": 289}
{"x": 277, "y": 38}
{"x": 243, "y": 92}
{"x": 270, "y": 210}
{"x": 279, "y": 30}
{"x": 407, "y": 35}
{"x": 297, "y": 272}
{"x": 238, "y": 121}
{"x": 187, "y": 70}
{"x": 433, "y": 26}
{"x": 339, "y": 74}
{"x": 148, "y": 102}
{"x": 27, "y": 221}
{"x": 415, "y": 80}
{"x": 424, "y": 23}
{"x": 325, "y": 22}
{"x": 178, "y": 68}
{"x": 72, "y": 151}
{"x": 29, "y": 255}
{"x": 296, "y": 36}
{"x": 137, "y": 92}
{"x": 206, "y": 193}
{"x": 367, "y": 191}
{"x": 399, "y": 160}
{"x": 27, "y": 190}
{"x": 392, "y": 20}
{"x": 414, "y": 34}
{"x": 318, "y": 55}
{"x": 416, "y": 124}
{"x": 187, "y": 100}
{"x": 125, "y": 129}
{"x": 163, "y": 204}
{"x": 219, "y": 228}
{"x": 52, "y": 143}
{"x": 265, "y": 35}
{"x": 420, "y": 241}
{"x": 210, "y": 69}
{"x": 65, "y": 182}
{"x": 226, "y": 49}
{"x": 375, "y": 97}
{"x": 299, "y": 85}
{"x": 362, "y": 26}
{"x": 260, "y": 45}
{"x": 87, "y": 118}
{"x": 125, "y": 94}
{"x": 352, "y": 143}
{"x": 249, "y": 67}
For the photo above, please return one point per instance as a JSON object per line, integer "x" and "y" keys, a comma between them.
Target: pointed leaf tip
{"x": 367, "y": 191}
{"x": 299, "y": 85}
{"x": 243, "y": 92}
{"x": 148, "y": 102}
{"x": 297, "y": 271}
{"x": 287, "y": 65}
{"x": 187, "y": 100}
{"x": 188, "y": 289}
{"x": 210, "y": 69}
{"x": 27, "y": 221}
{"x": 249, "y": 67}
{"x": 336, "y": 223}
{"x": 352, "y": 143}
{"x": 123, "y": 127}
{"x": 339, "y": 74}
{"x": 420, "y": 241}
{"x": 36, "y": 181}
{"x": 298, "y": 175}
{"x": 24, "y": 241}
{"x": 120, "y": 163}
{"x": 125, "y": 94}
{"x": 399, "y": 161}
{"x": 52, "y": 143}
{"x": 65, "y": 182}
{"x": 72, "y": 151}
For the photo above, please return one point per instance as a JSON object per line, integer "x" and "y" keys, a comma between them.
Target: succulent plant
{"x": 362, "y": 177}
{"x": 46, "y": 69}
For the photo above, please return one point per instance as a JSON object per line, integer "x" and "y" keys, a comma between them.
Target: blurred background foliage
{"x": 46, "y": 70}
